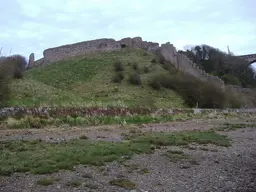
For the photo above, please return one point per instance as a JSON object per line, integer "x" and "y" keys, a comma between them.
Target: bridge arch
{"x": 249, "y": 58}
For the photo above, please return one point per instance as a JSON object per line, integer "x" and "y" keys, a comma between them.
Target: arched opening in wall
{"x": 123, "y": 46}
{"x": 253, "y": 66}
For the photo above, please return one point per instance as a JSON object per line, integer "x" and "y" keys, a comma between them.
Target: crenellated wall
{"x": 183, "y": 63}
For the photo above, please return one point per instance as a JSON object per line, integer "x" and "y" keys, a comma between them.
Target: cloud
{"x": 32, "y": 26}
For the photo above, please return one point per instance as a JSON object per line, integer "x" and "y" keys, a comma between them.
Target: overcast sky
{"x": 34, "y": 25}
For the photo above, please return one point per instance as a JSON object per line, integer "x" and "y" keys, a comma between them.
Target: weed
{"x": 153, "y": 60}
{"x": 144, "y": 171}
{"x": 74, "y": 183}
{"x": 146, "y": 69}
{"x": 118, "y": 66}
{"x": 124, "y": 183}
{"x": 91, "y": 186}
{"x": 135, "y": 78}
{"x": 83, "y": 137}
{"x": 135, "y": 66}
{"x": 45, "y": 181}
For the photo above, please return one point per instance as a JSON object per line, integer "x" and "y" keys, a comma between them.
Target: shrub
{"x": 161, "y": 59}
{"x": 146, "y": 69}
{"x": 4, "y": 84}
{"x": 118, "y": 77}
{"x": 14, "y": 65}
{"x": 135, "y": 66}
{"x": 229, "y": 79}
{"x": 155, "y": 84}
{"x": 4, "y": 90}
{"x": 19, "y": 65}
{"x": 167, "y": 66}
{"x": 194, "y": 91}
{"x": 135, "y": 78}
{"x": 118, "y": 66}
{"x": 145, "y": 54}
{"x": 153, "y": 60}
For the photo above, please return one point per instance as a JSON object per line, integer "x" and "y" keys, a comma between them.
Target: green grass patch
{"x": 45, "y": 181}
{"x": 41, "y": 157}
{"x": 124, "y": 183}
{"x": 74, "y": 183}
{"x": 184, "y": 138}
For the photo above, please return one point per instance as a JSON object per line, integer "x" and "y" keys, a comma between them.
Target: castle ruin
{"x": 167, "y": 50}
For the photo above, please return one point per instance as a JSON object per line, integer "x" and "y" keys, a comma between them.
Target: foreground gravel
{"x": 210, "y": 168}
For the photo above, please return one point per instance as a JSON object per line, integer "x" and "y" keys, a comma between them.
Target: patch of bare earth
{"x": 191, "y": 168}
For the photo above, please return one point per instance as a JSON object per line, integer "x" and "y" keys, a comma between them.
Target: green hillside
{"x": 87, "y": 81}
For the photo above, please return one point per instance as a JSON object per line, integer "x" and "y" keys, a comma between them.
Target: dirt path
{"x": 212, "y": 168}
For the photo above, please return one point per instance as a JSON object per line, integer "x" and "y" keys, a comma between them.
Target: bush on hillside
{"x": 135, "y": 78}
{"x": 10, "y": 67}
{"x": 167, "y": 66}
{"x": 161, "y": 59}
{"x": 118, "y": 77}
{"x": 135, "y": 66}
{"x": 155, "y": 83}
{"x": 146, "y": 69}
{"x": 4, "y": 84}
{"x": 153, "y": 60}
{"x": 194, "y": 91}
{"x": 118, "y": 65}
{"x": 231, "y": 80}
{"x": 14, "y": 65}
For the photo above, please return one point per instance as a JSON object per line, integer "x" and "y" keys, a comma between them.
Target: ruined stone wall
{"x": 69, "y": 51}
{"x": 183, "y": 63}
{"x": 77, "y": 49}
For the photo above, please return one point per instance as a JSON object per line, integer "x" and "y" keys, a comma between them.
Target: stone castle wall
{"x": 168, "y": 51}
{"x": 183, "y": 63}
{"x": 77, "y": 49}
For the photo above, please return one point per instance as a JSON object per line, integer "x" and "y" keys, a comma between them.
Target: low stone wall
{"x": 46, "y": 112}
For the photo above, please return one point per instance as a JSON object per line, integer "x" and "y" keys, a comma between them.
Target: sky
{"x": 34, "y": 25}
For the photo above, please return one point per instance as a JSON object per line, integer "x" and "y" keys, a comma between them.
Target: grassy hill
{"x": 87, "y": 81}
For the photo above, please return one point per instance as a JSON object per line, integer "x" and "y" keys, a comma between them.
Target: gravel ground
{"x": 208, "y": 168}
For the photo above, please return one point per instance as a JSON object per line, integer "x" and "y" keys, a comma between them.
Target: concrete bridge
{"x": 250, "y": 58}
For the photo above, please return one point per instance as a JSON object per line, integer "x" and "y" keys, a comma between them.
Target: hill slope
{"x": 86, "y": 81}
